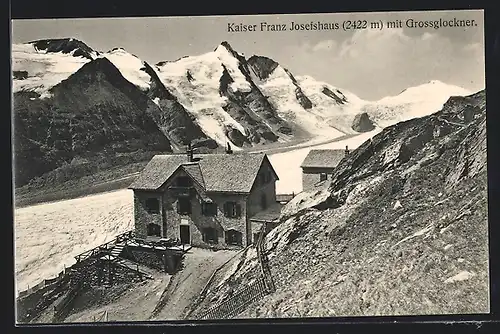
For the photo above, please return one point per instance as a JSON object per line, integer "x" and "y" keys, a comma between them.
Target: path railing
{"x": 211, "y": 280}
{"x": 104, "y": 247}
{"x": 263, "y": 261}
{"x": 238, "y": 302}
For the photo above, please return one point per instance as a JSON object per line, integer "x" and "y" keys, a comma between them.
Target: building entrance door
{"x": 185, "y": 234}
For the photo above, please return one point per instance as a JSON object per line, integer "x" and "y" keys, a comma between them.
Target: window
{"x": 232, "y": 209}
{"x": 263, "y": 201}
{"x": 210, "y": 235}
{"x": 209, "y": 209}
{"x": 184, "y": 206}
{"x": 153, "y": 205}
{"x": 153, "y": 230}
{"x": 323, "y": 177}
{"x": 183, "y": 181}
{"x": 234, "y": 237}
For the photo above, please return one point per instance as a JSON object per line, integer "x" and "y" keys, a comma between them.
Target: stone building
{"x": 318, "y": 166}
{"x": 209, "y": 199}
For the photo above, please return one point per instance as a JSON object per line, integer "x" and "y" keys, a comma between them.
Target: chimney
{"x": 346, "y": 150}
{"x": 228, "y": 149}
{"x": 189, "y": 152}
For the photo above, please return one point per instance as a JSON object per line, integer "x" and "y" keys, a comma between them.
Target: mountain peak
{"x": 226, "y": 45}
{"x": 65, "y": 45}
{"x": 263, "y": 66}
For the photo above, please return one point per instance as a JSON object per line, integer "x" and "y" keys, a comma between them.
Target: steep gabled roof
{"x": 323, "y": 158}
{"x": 157, "y": 171}
{"x": 193, "y": 170}
{"x": 230, "y": 172}
{"x": 215, "y": 172}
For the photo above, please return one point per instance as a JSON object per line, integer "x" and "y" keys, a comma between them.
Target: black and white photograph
{"x": 202, "y": 168}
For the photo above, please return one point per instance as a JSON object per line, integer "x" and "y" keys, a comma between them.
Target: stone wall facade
{"x": 169, "y": 219}
{"x": 311, "y": 176}
{"x": 143, "y": 217}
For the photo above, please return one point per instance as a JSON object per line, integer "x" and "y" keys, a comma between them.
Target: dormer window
{"x": 183, "y": 181}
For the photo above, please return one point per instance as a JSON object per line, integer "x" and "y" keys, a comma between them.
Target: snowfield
{"x": 48, "y": 236}
{"x": 413, "y": 102}
{"x": 45, "y": 70}
{"x": 130, "y": 67}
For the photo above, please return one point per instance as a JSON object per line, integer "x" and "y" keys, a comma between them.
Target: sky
{"x": 371, "y": 63}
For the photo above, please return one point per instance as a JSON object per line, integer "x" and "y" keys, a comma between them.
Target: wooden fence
{"x": 102, "y": 318}
{"x": 104, "y": 247}
{"x": 212, "y": 278}
{"x": 263, "y": 261}
{"x": 238, "y": 302}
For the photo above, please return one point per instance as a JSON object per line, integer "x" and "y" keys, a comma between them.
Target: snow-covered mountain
{"x": 413, "y": 102}
{"x": 209, "y": 99}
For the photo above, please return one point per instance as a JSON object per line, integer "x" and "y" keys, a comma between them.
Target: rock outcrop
{"x": 362, "y": 123}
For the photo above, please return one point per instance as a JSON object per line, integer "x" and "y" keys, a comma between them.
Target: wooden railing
{"x": 211, "y": 280}
{"x": 263, "y": 261}
{"x": 238, "y": 302}
{"x": 104, "y": 247}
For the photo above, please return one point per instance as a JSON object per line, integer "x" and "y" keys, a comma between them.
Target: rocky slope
{"x": 72, "y": 103}
{"x": 402, "y": 228}
{"x": 93, "y": 117}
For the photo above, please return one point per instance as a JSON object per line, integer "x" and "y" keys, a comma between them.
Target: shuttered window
{"x": 209, "y": 209}
{"x": 184, "y": 206}
{"x": 232, "y": 209}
